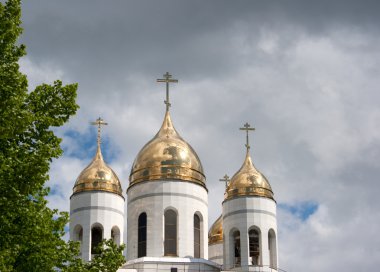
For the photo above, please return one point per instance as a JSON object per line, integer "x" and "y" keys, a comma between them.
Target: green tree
{"x": 109, "y": 259}
{"x": 30, "y": 232}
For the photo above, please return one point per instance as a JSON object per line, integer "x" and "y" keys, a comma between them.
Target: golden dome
{"x": 248, "y": 181}
{"x": 98, "y": 176}
{"x": 215, "y": 235}
{"x": 167, "y": 156}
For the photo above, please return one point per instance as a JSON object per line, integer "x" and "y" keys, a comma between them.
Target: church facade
{"x": 167, "y": 210}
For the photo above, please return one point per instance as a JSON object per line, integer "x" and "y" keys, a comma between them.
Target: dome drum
{"x": 167, "y": 173}
{"x": 97, "y": 186}
{"x": 247, "y": 191}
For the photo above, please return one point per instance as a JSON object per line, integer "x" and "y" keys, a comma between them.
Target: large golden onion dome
{"x": 167, "y": 156}
{"x": 215, "y": 235}
{"x": 98, "y": 176}
{"x": 248, "y": 181}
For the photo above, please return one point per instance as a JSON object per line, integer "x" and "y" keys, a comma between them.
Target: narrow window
{"x": 141, "y": 251}
{"x": 254, "y": 246}
{"x": 78, "y": 233}
{"x": 236, "y": 236}
{"x": 197, "y": 236}
{"x": 115, "y": 235}
{"x": 170, "y": 246}
{"x": 96, "y": 238}
{"x": 272, "y": 249}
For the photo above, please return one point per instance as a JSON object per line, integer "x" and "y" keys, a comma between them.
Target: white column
{"x": 244, "y": 247}
{"x": 264, "y": 250}
{"x": 86, "y": 246}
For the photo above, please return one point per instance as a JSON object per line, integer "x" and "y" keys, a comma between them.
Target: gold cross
{"x": 247, "y": 127}
{"x": 226, "y": 179}
{"x": 99, "y": 122}
{"x": 167, "y": 79}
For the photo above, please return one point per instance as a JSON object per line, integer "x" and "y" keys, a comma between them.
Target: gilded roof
{"x": 167, "y": 156}
{"x": 248, "y": 181}
{"x": 215, "y": 234}
{"x": 98, "y": 176}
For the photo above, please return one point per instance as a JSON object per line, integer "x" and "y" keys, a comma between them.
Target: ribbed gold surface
{"x": 215, "y": 235}
{"x": 167, "y": 156}
{"x": 248, "y": 181}
{"x": 98, "y": 176}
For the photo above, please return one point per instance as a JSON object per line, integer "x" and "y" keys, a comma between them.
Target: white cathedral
{"x": 167, "y": 210}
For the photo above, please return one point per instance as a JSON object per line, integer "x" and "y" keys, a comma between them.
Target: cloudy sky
{"x": 304, "y": 73}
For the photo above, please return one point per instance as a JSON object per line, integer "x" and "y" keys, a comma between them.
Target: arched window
{"x": 96, "y": 238}
{"x": 141, "y": 236}
{"x": 237, "y": 249}
{"x": 197, "y": 236}
{"x": 254, "y": 246}
{"x": 78, "y": 233}
{"x": 272, "y": 249}
{"x": 170, "y": 246}
{"x": 115, "y": 235}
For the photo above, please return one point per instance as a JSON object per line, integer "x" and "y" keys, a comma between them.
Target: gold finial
{"x": 99, "y": 122}
{"x": 247, "y": 127}
{"x": 226, "y": 179}
{"x": 167, "y": 79}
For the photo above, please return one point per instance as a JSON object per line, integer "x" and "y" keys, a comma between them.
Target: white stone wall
{"x": 95, "y": 207}
{"x": 153, "y": 198}
{"x": 215, "y": 253}
{"x": 165, "y": 264}
{"x": 243, "y": 213}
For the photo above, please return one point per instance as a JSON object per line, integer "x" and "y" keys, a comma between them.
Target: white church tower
{"x": 249, "y": 220}
{"x": 167, "y": 217}
{"x": 96, "y": 205}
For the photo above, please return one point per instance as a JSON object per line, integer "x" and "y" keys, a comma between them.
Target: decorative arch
{"x": 142, "y": 235}
{"x": 254, "y": 236}
{"x": 115, "y": 235}
{"x": 171, "y": 229}
{"x": 96, "y": 236}
{"x": 272, "y": 246}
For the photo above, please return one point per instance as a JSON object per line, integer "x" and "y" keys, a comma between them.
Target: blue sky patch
{"x": 302, "y": 210}
{"x": 56, "y": 190}
{"x": 86, "y": 146}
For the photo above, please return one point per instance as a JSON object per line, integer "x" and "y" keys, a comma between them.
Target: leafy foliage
{"x": 109, "y": 259}
{"x": 30, "y": 232}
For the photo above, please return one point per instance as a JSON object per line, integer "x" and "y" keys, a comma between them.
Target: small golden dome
{"x": 167, "y": 156}
{"x": 98, "y": 176}
{"x": 248, "y": 181}
{"x": 215, "y": 235}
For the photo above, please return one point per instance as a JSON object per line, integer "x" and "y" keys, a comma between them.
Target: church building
{"x": 167, "y": 209}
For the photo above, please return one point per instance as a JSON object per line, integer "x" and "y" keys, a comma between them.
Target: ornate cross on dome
{"x": 99, "y": 122}
{"x": 247, "y": 127}
{"x": 167, "y": 79}
{"x": 226, "y": 179}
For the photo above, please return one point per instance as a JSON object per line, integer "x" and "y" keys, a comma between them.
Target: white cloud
{"x": 39, "y": 73}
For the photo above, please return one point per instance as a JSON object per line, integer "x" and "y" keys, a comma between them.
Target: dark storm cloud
{"x": 94, "y": 37}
